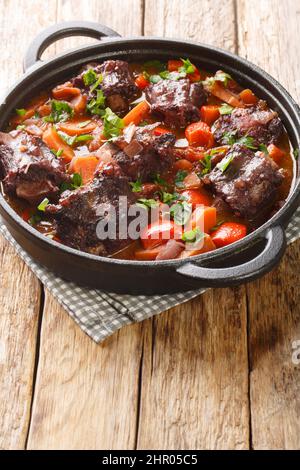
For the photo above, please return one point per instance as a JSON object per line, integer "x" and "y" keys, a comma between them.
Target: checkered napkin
{"x": 100, "y": 313}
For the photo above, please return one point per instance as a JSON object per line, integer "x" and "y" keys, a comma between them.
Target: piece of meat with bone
{"x": 117, "y": 83}
{"x": 28, "y": 169}
{"x": 78, "y": 212}
{"x": 246, "y": 181}
{"x": 141, "y": 154}
{"x": 258, "y": 122}
{"x": 176, "y": 102}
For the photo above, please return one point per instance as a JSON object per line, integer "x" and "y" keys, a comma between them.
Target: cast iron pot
{"x": 243, "y": 261}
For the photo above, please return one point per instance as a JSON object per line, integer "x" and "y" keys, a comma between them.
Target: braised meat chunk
{"x": 117, "y": 83}
{"x": 78, "y": 212}
{"x": 258, "y": 122}
{"x": 176, "y": 102}
{"x": 28, "y": 168}
{"x": 144, "y": 154}
{"x": 245, "y": 181}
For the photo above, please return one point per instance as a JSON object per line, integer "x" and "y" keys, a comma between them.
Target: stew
{"x": 199, "y": 160}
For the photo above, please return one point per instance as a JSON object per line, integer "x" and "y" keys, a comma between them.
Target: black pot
{"x": 245, "y": 260}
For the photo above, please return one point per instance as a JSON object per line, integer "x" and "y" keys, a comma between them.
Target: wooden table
{"x": 215, "y": 373}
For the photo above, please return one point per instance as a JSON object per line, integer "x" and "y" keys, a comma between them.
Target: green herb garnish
{"x": 263, "y": 148}
{"x": 89, "y": 77}
{"x": 136, "y": 186}
{"x": 147, "y": 203}
{"x": 218, "y": 77}
{"x": 34, "y": 219}
{"x": 155, "y": 78}
{"x": 76, "y": 182}
{"x": 96, "y": 105}
{"x": 180, "y": 176}
{"x": 60, "y": 111}
{"x": 169, "y": 198}
{"x": 296, "y": 153}
{"x": 187, "y": 66}
{"x": 42, "y": 206}
{"x": 224, "y": 164}
{"x": 57, "y": 153}
{"x": 192, "y": 236}
{"x": 230, "y": 138}
{"x": 225, "y": 109}
{"x": 113, "y": 125}
{"x": 160, "y": 181}
{"x": 206, "y": 163}
{"x": 248, "y": 142}
{"x": 166, "y": 75}
{"x": 71, "y": 140}
{"x": 21, "y": 112}
{"x": 21, "y": 127}
{"x": 181, "y": 212}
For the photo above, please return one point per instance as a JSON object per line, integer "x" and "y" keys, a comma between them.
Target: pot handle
{"x": 261, "y": 264}
{"x": 62, "y": 30}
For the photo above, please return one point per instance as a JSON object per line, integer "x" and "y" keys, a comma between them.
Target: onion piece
{"x": 129, "y": 132}
{"x": 170, "y": 250}
{"x": 133, "y": 148}
{"x": 106, "y": 152}
{"x": 181, "y": 143}
{"x": 192, "y": 181}
{"x": 34, "y": 130}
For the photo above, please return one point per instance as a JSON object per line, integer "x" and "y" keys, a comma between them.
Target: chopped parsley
{"x": 225, "y": 109}
{"x": 112, "y": 124}
{"x": 181, "y": 212}
{"x": 71, "y": 140}
{"x": 179, "y": 178}
{"x": 160, "y": 181}
{"x": 155, "y": 78}
{"x": 166, "y": 75}
{"x": 42, "y": 206}
{"x": 230, "y": 138}
{"x": 192, "y": 236}
{"x": 34, "y": 219}
{"x": 60, "y": 111}
{"x": 76, "y": 182}
{"x": 136, "y": 186}
{"x": 21, "y": 127}
{"x": 206, "y": 164}
{"x": 57, "y": 153}
{"x": 187, "y": 66}
{"x": 263, "y": 148}
{"x": 21, "y": 112}
{"x": 296, "y": 153}
{"x": 169, "y": 198}
{"x": 147, "y": 203}
{"x": 96, "y": 105}
{"x": 224, "y": 164}
{"x": 89, "y": 77}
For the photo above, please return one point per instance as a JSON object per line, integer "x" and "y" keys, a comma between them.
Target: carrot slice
{"x": 228, "y": 233}
{"x": 205, "y": 218}
{"x": 210, "y": 113}
{"x": 32, "y": 107}
{"x": 205, "y": 245}
{"x": 137, "y": 114}
{"x": 55, "y": 143}
{"x": 79, "y": 104}
{"x": 248, "y": 97}
{"x": 196, "y": 197}
{"x": 275, "y": 153}
{"x": 85, "y": 166}
{"x": 65, "y": 91}
{"x": 183, "y": 165}
{"x": 77, "y": 126}
{"x": 199, "y": 134}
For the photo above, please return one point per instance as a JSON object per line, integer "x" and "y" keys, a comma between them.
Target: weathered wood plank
{"x": 86, "y": 395}
{"x": 195, "y": 371}
{"x": 20, "y": 291}
{"x": 274, "y": 311}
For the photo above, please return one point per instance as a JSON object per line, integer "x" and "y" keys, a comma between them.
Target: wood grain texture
{"x": 20, "y": 291}
{"x": 274, "y": 301}
{"x": 195, "y": 372}
{"x": 86, "y": 396}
